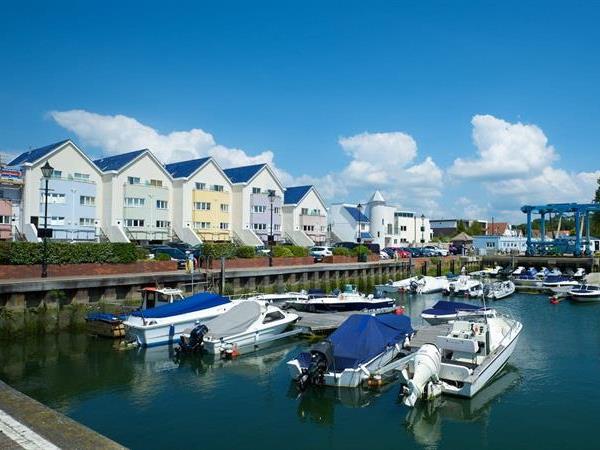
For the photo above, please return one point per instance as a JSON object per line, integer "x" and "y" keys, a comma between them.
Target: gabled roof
{"x": 184, "y": 169}
{"x": 356, "y": 214}
{"x": 243, "y": 174}
{"x": 295, "y": 194}
{"x": 117, "y": 162}
{"x": 377, "y": 197}
{"x": 497, "y": 228}
{"x": 462, "y": 237}
{"x": 32, "y": 156}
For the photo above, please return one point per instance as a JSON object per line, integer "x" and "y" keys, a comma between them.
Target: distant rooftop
{"x": 356, "y": 214}
{"x": 32, "y": 156}
{"x": 294, "y": 194}
{"x": 184, "y": 169}
{"x": 117, "y": 162}
{"x": 243, "y": 174}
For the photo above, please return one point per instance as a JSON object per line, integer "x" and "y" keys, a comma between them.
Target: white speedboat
{"x": 518, "y": 271}
{"x": 249, "y": 324}
{"x": 348, "y": 300}
{"x": 585, "y": 293}
{"x": 559, "y": 284}
{"x": 444, "y": 311}
{"x": 528, "y": 278}
{"x": 487, "y": 272}
{"x": 392, "y": 287}
{"x": 464, "y": 285}
{"x": 429, "y": 285}
{"x": 362, "y": 345}
{"x": 462, "y": 362}
{"x": 500, "y": 290}
{"x": 277, "y": 298}
{"x": 164, "y": 324}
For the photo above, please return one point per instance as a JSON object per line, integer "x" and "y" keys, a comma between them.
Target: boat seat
{"x": 456, "y": 344}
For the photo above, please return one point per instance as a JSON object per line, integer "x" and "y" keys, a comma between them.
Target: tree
{"x": 476, "y": 229}
{"x": 595, "y": 219}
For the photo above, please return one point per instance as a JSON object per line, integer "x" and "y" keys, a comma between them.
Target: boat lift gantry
{"x": 580, "y": 211}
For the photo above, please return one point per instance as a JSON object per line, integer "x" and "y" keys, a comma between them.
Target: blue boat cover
{"x": 106, "y": 317}
{"x": 362, "y": 337}
{"x": 443, "y": 307}
{"x": 556, "y": 279}
{"x": 197, "y": 302}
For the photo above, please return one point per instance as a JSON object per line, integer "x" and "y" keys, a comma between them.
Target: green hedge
{"x": 219, "y": 250}
{"x": 282, "y": 251}
{"x": 27, "y": 253}
{"x": 298, "y": 251}
{"x": 246, "y": 251}
{"x": 162, "y": 257}
{"x": 360, "y": 250}
{"x": 341, "y": 251}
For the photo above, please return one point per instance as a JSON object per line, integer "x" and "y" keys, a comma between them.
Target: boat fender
{"x": 399, "y": 311}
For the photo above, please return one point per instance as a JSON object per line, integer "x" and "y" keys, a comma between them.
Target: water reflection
{"x": 425, "y": 420}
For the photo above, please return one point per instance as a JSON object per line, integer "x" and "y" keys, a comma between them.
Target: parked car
{"x": 415, "y": 252}
{"x": 174, "y": 253}
{"x": 403, "y": 253}
{"x": 427, "y": 252}
{"x": 438, "y": 250}
{"x": 348, "y": 245}
{"x": 384, "y": 255}
{"x": 183, "y": 246}
{"x": 394, "y": 252}
{"x": 320, "y": 252}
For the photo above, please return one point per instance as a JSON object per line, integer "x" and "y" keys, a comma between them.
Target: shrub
{"x": 162, "y": 257}
{"x": 5, "y": 252}
{"x": 26, "y": 253}
{"x": 246, "y": 251}
{"x": 360, "y": 250}
{"x": 341, "y": 251}
{"x": 219, "y": 250}
{"x": 298, "y": 251}
{"x": 281, "y": 251}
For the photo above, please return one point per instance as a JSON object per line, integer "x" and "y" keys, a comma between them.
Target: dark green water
{"x": 547, "y": 398}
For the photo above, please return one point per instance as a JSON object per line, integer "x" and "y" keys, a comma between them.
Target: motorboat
{"x": 528, "y": 278}
{"x": 518, "y": 271}
{"x": 111, "y": 325}
{"x": 462, "y": 362}
{"x": 347, "y": 300}
{"x": 579, "y": 273}
{"x": 277, "y": 298}
{"x": 164, "y": 324}
{"x": 487, "y": 272}
{"x": 429, "y": 285}
{"x": 559, "y": 283}
{"x": 500, "y": 290}
{"x": 361, "y": 346}
{"x": 545, "y": 272}
{"x": 585, "y": 293}
{"x": 393, "y": 287}
{"x": 464, "y": 285}
{"x": 444, "y": 311}
{"x": 248, "y": 324}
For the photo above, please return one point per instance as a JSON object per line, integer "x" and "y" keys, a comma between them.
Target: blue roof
{"x": 294, "y": 194}
{"x": 366, "y": 235}
{"x": 362, "y": 337}
{"x": 117, "y": 162}
{"x": 243, "y": 174}
{"x": 32, "y": 156}
{"x": 356, "y": 214}
{"x": 184, "y": 169}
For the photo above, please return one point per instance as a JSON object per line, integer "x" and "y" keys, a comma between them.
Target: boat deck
{"x": 428, "y": 335}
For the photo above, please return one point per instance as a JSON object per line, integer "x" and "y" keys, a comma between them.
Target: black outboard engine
{"x": 195, "y": 342}
{"x": 314, "y": 364}
{"x": 413, "y": 286}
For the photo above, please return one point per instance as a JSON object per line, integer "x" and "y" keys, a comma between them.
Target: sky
{"x": 452, "y": 109}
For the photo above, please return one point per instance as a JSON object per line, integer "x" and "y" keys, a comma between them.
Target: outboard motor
{"x": 194, "y": 342}
{"x": 314, "y": 364}
{"x": 414, "y": 285}
{"x": 424, "y": 381}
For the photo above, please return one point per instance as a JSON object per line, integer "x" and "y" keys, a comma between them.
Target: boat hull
{"x": 247, "y": 339}
{"x": 585, "y": 298}
{"x": 343, "y": 305}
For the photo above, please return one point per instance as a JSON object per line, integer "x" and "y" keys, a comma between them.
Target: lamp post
{"x": 359, "y": 236}
{"x": 47, "y": 170}
{"x": 271, "y": 236}
{"x": 422, "y": 230}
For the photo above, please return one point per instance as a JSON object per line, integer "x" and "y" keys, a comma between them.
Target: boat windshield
{"x": 349, "y": 289}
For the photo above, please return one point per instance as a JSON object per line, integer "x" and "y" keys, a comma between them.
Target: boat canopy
{"x": 237, "y": 320}
{"x": 197, "y": 302}
{"x": 444, "y": 307}
{"x": 362, "y": 337}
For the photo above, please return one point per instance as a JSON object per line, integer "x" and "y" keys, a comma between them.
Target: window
{"x": 276, "y": 227}
{"x": 200, "y": 186}
{"x": 161, "y": 204}
{"x": 57, "y": 173}
{"x": 322, "y": 228}
{"x": 404, "y": 214}
{"x": 255, "y": 190}
{"x": 309, "y": 228}
{"x": 363, "y": 226}
{"x": 56, "y": 220}
{"x": 224, "y": 226}
{"x": 203, "y": 206}
{"x": 382, "y": 222}
{"x": 133, "y": 180}
{"x": 390, "y": 228}
{"x": 224, "y": 207}
{"x": 81, "y": 176}
{"x": 304, "y": 211}
{"x": 134, "y": 202}
{"x": 276, "y": 210}
{"x": 157, "y": 183}
{"x": 273, "y": 317}
{"x": 86, "y": 200}
{"x": 259, "y": 209}
{"x": 259, "y": 226}
{"x": 4, "y": 220}
{"x": 202, "y": 225}
{"x": 163, "y": 224}
{"x": 87, "y": 221}
{"x": 217, "y": 188}
{"x": 54, "y": 198}
{"x": 134, "y": 223}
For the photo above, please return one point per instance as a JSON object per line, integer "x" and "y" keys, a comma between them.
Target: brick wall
{"x": 65, "y": 270}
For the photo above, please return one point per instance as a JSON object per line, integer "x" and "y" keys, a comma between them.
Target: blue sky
{"x": 353, "y": 96}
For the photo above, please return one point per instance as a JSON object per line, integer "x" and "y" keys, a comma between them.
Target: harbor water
{"x": 546, "y": 398}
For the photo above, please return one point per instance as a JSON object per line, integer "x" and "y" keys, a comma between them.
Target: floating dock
{"x": 327, "y": 322}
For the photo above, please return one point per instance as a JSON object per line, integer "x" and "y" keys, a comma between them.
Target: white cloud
{"x": 119, "y": 133}
{"x": 505, "y": 150}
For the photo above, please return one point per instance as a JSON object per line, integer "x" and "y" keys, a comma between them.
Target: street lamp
{"x": 358, "y": 237}
{"x": 271, "y": 237}
{"x": 47, "y": 171}
{"x": 422, "y": 230}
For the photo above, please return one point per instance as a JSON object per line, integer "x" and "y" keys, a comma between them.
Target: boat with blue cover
{"x": 444, "y": 311}
{"x": 347, "y": 300}
{"x": 164, "y": 324}
{"x": 362, "y": 345}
